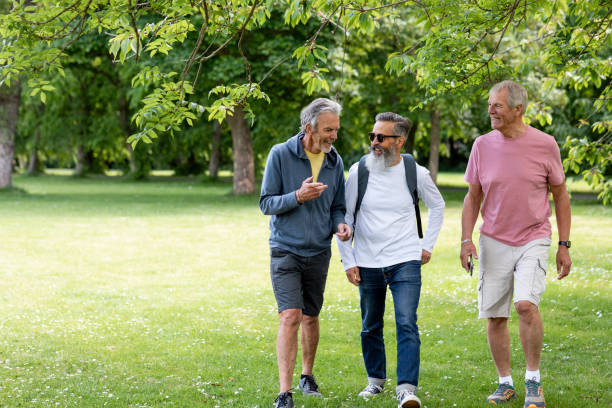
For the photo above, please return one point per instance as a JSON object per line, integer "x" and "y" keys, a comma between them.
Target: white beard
{"x": 375, "y": 163}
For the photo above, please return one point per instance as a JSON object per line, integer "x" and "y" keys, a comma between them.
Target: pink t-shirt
{"x": 514, "y": 175}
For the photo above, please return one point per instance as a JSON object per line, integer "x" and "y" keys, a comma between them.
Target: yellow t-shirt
{"x": 316, "y": 161}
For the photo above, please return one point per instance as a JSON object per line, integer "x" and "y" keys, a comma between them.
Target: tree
{"x": 467, "y": 45}
{"x": 9, "y": 108}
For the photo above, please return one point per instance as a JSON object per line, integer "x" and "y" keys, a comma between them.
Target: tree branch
{"x": 54, "y": 17}
{"x": 501, "y": 37}
{"x": 595, "y": 33}
{"x": 135, "y": 27}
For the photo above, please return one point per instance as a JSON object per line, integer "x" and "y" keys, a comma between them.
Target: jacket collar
{"x": 296, "y": 147}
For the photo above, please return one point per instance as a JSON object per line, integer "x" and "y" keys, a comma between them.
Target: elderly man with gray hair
{"x": 511, "y": 172}
{"x": 303, "y": 191}
{"x": 382, "y": 193}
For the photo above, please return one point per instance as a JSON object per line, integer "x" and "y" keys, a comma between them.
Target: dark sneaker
{"x": 284, "y": 400}
{"x": 370, "y": 391}
{"x": 309, "y": 386}
{"x": 534, "y": 396}
{"x": 504, "y": 393}
{"x": 408, "y": 399}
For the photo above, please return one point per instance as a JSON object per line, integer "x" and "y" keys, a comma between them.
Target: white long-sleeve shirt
{"x": 385, "y": 233}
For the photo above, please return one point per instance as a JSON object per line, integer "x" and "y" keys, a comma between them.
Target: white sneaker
{"x": 407, "y": 399}
{"x": 370, "y": 391}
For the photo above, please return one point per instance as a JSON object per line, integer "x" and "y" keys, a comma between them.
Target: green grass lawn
{"x": 124, "y": 294}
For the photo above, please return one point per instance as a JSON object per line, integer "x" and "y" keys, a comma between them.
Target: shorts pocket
{"x": 480, "y": 294}
{"x": 538, "y": 284}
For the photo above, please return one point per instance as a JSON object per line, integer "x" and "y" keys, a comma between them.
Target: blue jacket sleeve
{"x": 338, "y": 207}
{"x": 272, "y": 201}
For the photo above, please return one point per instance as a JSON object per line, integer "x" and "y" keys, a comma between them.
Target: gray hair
{"x": 402, "y": 125}
{"x": 310, "y": 114}
{"x": 517, "y": 95}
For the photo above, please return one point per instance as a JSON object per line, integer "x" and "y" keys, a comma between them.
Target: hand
{"x": 344, "y": 232}
{"x": 309, "y": 190}
{"x": 425, "y": 257}
{"x": 467, "y": 249}
{"x": 352, "y": 274}
{"x": 564, "y": 262}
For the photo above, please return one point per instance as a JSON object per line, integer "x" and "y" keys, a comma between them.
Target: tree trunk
{"x": 244, "y": 166}
{"x": 434, "y": 146}
{"x": 9, "y": 113}
{"x": 215, "y": 151}
{"x": 133, "y": 162}
{"x": 79, "y": 168}
{"x": 33, "y": 163}
{"x": 124, "y": 122}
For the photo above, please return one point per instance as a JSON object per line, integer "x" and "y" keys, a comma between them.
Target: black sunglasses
{"x": 380, "y": 137}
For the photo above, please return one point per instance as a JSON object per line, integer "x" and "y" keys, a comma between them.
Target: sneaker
{"x": 534, "y": 396}
{"x": 408, "y": 399}
{"x": 504, "y": 393}
{"x": 309, "y": 386}
{"x": 370, "y": 391}
{"x": 284, "y": 400}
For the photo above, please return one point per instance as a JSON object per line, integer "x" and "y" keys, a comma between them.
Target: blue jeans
{"x": 404, "y": 280}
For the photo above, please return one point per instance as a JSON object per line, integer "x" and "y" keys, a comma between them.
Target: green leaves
{"x": 235, "y": 95}
{"x": 165, "y": 109}
{"x": 39, "y": 87}
{"x": 308, "y": 55}
{"x": 597, "y": 157}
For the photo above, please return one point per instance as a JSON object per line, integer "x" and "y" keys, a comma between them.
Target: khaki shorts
{"x": 505, "y": 269}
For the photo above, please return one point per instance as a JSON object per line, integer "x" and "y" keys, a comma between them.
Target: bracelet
{"x": 466, "y": 240}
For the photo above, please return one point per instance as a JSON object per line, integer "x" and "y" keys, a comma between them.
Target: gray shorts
{"x": 299, "y": 281}
{"x": 505, "y": 269}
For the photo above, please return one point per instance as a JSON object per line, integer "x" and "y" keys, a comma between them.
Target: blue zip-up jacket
{"x": 304, "y": 229}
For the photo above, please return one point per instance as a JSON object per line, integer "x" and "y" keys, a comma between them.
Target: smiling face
{"x": 503, "y": 117}
{"x": 390, "y": 147}
{"x": 323, "y": 137}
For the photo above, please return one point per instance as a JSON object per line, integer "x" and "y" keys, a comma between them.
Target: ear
{"x": 308, "y": 129}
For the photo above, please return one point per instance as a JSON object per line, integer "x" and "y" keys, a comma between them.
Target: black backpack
{"x": 411, "y": 179}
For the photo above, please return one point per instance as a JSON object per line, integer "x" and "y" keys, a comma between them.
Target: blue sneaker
{"x": 284, "y": 400}
{"x": 309, "y": 386}
{"x": 534, "y": 395}
{"x": 504, "y": 393}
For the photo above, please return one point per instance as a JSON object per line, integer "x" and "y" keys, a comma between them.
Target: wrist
{"x": 297, "y": 196}
{"x": 465, "y": 241}
{"x": 566, "y": 244}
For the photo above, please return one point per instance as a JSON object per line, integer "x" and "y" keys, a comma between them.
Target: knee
{"x": 525, "y": 309}
{"x": 290, "y": 318}
{"x": 407, "y": 323}
{"x": 310, "y": 321}
{"x": 497, "y": 323}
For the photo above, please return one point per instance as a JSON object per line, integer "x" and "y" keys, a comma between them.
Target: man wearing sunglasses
{"x": 387, "y": 252}
{"x": 511, "y": 172}
{"x": 303, "y": 191}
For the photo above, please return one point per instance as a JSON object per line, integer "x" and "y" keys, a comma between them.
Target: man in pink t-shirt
{"x": 509, "y": 173}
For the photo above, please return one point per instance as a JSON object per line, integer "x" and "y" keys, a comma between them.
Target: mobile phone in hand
{"x": 470, "y": 264}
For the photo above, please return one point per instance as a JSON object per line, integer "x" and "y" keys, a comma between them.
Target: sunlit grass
{"x": 118, "y": 293}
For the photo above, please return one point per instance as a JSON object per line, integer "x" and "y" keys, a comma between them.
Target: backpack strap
{"x": 362, "y": 183}
{"x": 411, "y": 180}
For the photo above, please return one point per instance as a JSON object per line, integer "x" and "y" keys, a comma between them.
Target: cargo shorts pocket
{"x": 538, "y": 284}
{"x": 480, "y": 294}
